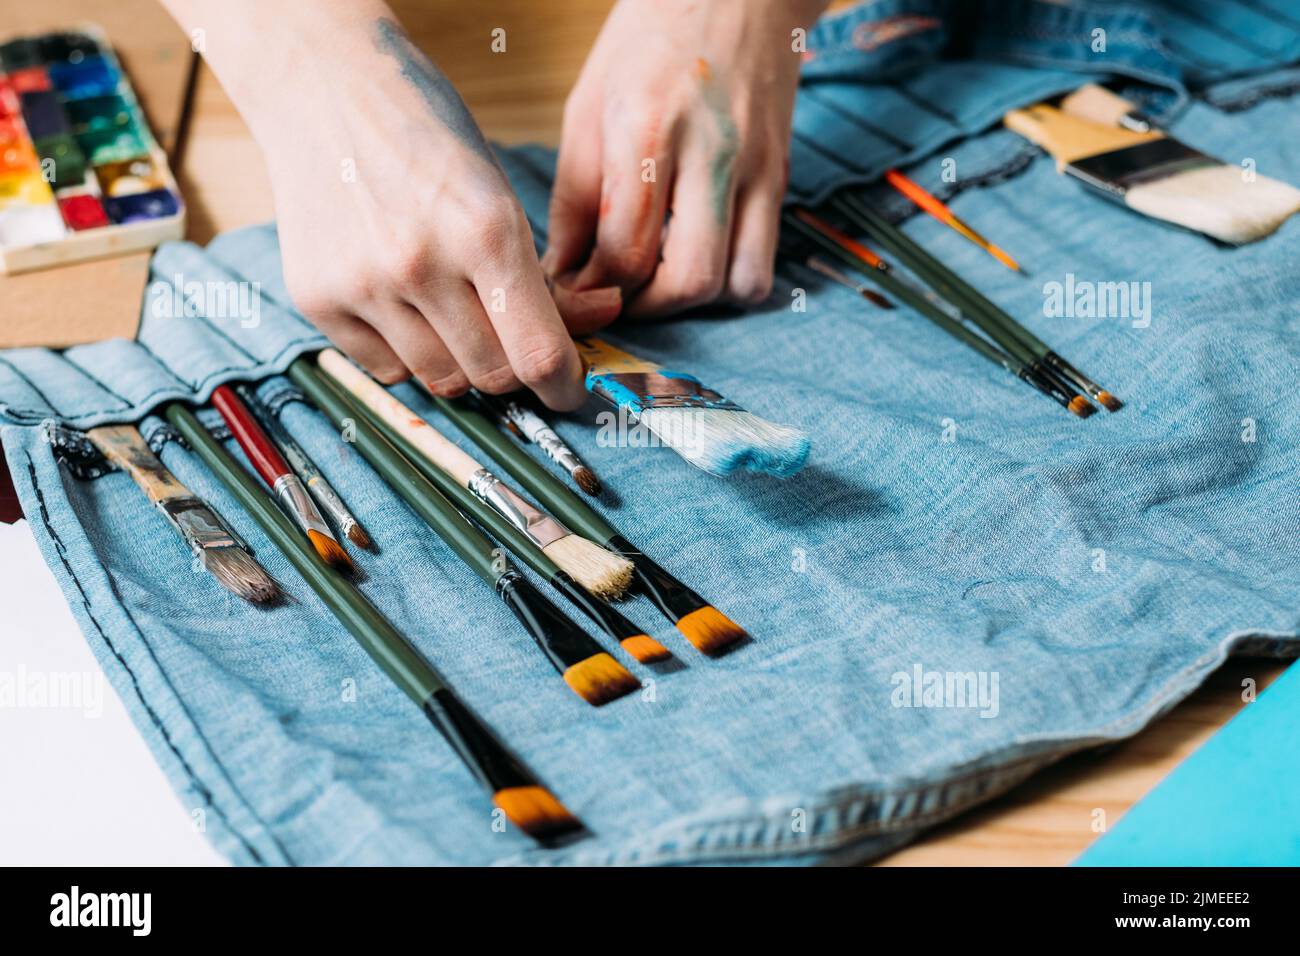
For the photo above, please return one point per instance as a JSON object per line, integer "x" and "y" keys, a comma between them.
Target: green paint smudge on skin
{"x": 722, "y": 164}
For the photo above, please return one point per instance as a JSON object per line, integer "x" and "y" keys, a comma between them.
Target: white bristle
{"x": 600, "y": 572}
{"x": 1217, "y": 201}
{"x": 722, "y": 440}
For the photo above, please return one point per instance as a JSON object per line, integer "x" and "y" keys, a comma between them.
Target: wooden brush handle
{"x": 1069, "y": 138}
{"x": 1096, "y": 104}
{"x": 125, "y": 447}
{"x": 441, "y": 450}
{"x": 255, "y": 442}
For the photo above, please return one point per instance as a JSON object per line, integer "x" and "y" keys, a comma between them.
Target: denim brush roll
{"x": 963, "y": 586}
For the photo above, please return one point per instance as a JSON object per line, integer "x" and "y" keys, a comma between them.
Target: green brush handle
{"x": 956, "y": 289}
{"x": 441, "y": 515}
{"x": 541, "y": 484}
{"x": 386, "y": 645}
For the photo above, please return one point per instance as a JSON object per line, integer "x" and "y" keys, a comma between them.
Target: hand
{"x": 401, "y": 238}
{"x": 682, "y": 114}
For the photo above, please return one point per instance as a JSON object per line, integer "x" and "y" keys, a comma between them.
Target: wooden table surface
{"x": 517, "y": 97}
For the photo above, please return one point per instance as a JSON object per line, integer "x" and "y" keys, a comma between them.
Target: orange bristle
{"x": 357, "y": 535}
{"x": 1081, "y": 406}
{"x": 587, "y": 480}
{"x": 330, "y": 551}
{"x": 536, "y": 811}
{"x": 710, "y": 631}
{"x": 600, "y": 679}
{"x": 1109, "y": 401}
{"x": 645, "y": 649}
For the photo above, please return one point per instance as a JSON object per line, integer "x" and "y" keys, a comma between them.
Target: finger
{"x": 419, "y": 347}
{"x": 364, "y": 344}
{"x": 575, "y": 197}
{"x": 587, "y": 311}
{"x": 753, "y": 243}
{"x": 518, "y": 303}
{"x": 634, "y": 201}
{"x": 694, "y": 266}
{"x": 457, "y": 316}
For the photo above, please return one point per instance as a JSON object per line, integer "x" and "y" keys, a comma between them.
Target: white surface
{"x": 78, "y": 786}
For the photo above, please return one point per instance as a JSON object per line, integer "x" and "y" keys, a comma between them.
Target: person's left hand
{"x": 681, "y": 115}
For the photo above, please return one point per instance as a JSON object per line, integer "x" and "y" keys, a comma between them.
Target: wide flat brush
{"x": 525, "y": 422}
{"x": 1158, "y": 176}
{"x": 208, "y": 537}
{"x": 633, "y": 639}
{"x": 586, "y": 668}
{"x": 970, "y": 301}
{"x": 516, "y": 791}
{"x": 329, "y": 500}
{"x": 708, "y": 430}
{"x": 600, "y": 572}
{"x": 279, "y": 477}
{"x": 709, "y": 630}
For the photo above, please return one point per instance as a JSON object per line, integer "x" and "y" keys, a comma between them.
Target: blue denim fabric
{"x": 1100, "y": 569}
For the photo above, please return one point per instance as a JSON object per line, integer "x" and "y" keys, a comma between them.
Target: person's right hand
{"x": 401, "y": 238}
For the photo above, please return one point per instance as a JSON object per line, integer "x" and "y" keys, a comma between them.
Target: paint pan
{"x": 81, "y": 175}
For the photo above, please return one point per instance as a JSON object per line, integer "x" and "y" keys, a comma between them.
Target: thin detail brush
{"x": 988, "y": 316}
{"x": 514, "y": 789}
{"x": 587, "y": 669}
{"x": 708, "y": 430}
{"x": 209, "y": 538}
{"x": 321, "y": 490}
{"x": 822, "y": 267}
{"x": 633, "y": 639}
{"x": 906, "y": 293}
{"x": 279, "y": 477}
{"x": 603, "y": 574}
{"x": 516, "y": 415}
{"x": 940, "y": 211}
{"x": 709, "y": 630}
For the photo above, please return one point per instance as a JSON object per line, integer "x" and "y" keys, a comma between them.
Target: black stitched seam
{"x": 51, "y": 410}
{"x": 84, "y": 373}
{"x": 59, "y": 546}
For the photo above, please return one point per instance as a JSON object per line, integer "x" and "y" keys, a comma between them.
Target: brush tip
{"x": 1004, "y": 258}
{"x": 537, "y": 812}
{"x": 330, "y": 551}
{"x": 600, "y": 679}
{"x": 600, "y": 572}
{"x": 710, "y": 631}
{"x": 645, "y": 649}
{"x": 587, "y": 480}
{"x": 1109, "y": 401}
{"x": 1081, "y": 406}
{"x": 357, "y": 535}
{"x": 237, "y": 571}
{"x": 876, "y": 299}
{"x": 723, "y": 440}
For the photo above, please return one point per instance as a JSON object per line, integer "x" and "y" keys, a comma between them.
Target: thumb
{"x": 587, "y": 311}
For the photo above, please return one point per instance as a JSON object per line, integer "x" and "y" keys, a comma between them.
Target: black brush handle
{"x": 672, "y": 597}
{"x": 494, "y": 766}
{"x": 607, "y": 618}
{"x": 562, "y": 641}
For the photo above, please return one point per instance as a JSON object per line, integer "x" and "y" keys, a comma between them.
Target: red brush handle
{"x": 256, "y": 443}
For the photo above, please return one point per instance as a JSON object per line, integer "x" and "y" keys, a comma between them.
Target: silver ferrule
{"x": 557, "y": 450}
{"x": 289, "y": 489}
{"x": 540, "y": 527}
{"x": 200, "y": 526}
{"x": 331, "y": 504}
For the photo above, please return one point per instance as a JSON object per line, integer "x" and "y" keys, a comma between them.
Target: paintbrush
{"x": 321, "y": 490}
{"x": 1158, "y": 176}
{"x": 587, "y": 669}
{"x": 212, "y": 541}
{"x": 822, "y": 267}
{"x": 519, "y": 794}
{"x": 971, "y": 302}
{"x": 604, "y": 574}
{"x": 633, "y": 639}
{"x": 940, "y": 211}
{"x": 519, "y": 418}
{"x": 709, "y": 431}
{"x": 859, "y": 257}
{"x": 279, "y": 477}
{"x": 708, "y": 629}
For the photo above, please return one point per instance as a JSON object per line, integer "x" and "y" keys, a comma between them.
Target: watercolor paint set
{"x": 81, "y": 175}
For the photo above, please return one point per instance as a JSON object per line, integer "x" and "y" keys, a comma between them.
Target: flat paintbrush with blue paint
{"x": 709, "y": 431}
